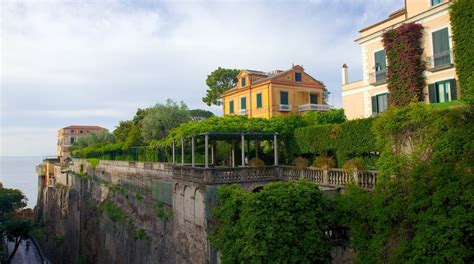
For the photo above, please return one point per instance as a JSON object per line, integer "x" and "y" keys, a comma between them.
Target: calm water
{"x": 20, "y": 173}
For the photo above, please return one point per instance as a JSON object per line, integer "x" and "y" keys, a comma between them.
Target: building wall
{"x": 419, "y": 11}
{"x": 298, "y": 93}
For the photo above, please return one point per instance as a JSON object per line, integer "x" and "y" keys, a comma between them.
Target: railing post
{"x": 243, "y": 150}
{"x": 174, "y": 151}
{"x": 355, "y": 176}
{"x": 182, "y": 151}
{"x": 325, "y": 177}
{"x": 192, "y": 151}
{"x": 206, "y": 152}
{"x": 275, "y": 148}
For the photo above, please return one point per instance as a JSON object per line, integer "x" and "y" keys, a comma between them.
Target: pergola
{"x": 227, "y": 137}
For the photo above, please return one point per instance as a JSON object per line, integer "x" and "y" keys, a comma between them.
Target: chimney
{"x": 344, "y": 74}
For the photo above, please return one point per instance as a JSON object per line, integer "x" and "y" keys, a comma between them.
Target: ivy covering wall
{"x": 462, "y": 21}
{"x": 405, "y": 71}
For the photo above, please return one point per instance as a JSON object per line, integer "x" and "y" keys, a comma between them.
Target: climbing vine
{"x": 405, "y": 70}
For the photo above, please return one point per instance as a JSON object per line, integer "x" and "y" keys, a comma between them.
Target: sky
{"x": 96, "y": 62}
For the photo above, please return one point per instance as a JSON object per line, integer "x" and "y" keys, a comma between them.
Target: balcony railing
{"x": 242, "y": 111}
{"x": 441, "y": 60}
{"x": 285, "y": 108}
{"x": 378, "y": 77}
{"x": 314, "y": 107}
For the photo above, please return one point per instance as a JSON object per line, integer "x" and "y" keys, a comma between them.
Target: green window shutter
{"x": 432, "y": 93}
{"x": 452, "y": 84}
{"x": 441, "y": 47}
{"x": 259, "y": 100}
{"x": 283, "y": 98}
{"x": 231, "y": 107}
{"x": 380, "y": 61}
{"x": 374, "y": 105}
{"x": 243, "y": 103}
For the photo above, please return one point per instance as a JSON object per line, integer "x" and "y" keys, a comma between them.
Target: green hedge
{"x": 462, "y": 21}
{"x": 347, "y": 140}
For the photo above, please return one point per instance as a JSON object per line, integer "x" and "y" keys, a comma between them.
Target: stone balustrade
{"x": 329, "y": 178}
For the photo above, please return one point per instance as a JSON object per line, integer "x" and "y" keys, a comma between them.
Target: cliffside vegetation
{"x": 462, "y": 19}
{"x": 422, "y": 208}
{"x": 283, "y": 223}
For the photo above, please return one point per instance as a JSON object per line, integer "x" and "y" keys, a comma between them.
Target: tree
{"x": 14, "y": 228}
{"x": 121, "y": 131}
{"x": 218, "y": 82}
{"x": 283, "y": 223}
{"x": 199, "y": 114}
{"x": 161, "y": 118}
{"x": 102, "y": 138}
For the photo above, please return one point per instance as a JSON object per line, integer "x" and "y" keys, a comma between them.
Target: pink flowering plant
{"x": 405, "y": 70}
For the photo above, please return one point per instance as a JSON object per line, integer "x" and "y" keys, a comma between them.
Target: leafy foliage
{"x": 422, "y": 208}
{"x": 347, "y": 140}
{"x": 13, "y": 228}
{"x": 115, "y": 213}
{"x": 219, "y": 81}
{"x": 199, "y": 114}
{"x": 404, "y": 55}
{"x": 462, "y": 19}
{"x": 283, "y": 223}
{"x": 161, "y": 118}
{"x": 102, "y": 138}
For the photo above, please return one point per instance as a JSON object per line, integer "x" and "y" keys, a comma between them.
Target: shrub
{"x": 347, "y": 140}
{"x": 115, "y": 213}
{"x": 256, "y": 163}
{"x": 324, "y": 162}
{"x": 285, "y": 222}
{"x": 421, "y": 210}
{"x": 300, "y": 162}
{"x": 462, "y": 19}
{"x": 354, "y": 164}
{"x": 93, "y": 162}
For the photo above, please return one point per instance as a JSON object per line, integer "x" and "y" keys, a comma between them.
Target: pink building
{"x": 70, "y": 134}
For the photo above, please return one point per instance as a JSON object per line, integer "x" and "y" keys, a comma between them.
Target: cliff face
{"x": 92, "y": 221}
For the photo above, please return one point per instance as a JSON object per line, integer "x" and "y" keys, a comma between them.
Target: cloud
{"x": 95, "y": 62}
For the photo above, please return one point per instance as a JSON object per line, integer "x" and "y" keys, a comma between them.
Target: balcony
{"x": 242, "y": 112}
{"x": 378, "y": 77}
{"x": 314, "y": 107}
{"x": 40, "y": 170}
{"x": 440, "y": 61}
{"x": 285, "y": 108}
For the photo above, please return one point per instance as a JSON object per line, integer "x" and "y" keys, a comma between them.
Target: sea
{"x": 20, "y": 173}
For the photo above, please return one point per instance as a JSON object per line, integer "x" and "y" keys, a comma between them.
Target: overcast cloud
{"x": 96, "y": 62}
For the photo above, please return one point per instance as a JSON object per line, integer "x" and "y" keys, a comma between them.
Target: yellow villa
{"x": 368, "y": 96}
{"x": 259, "y": 94}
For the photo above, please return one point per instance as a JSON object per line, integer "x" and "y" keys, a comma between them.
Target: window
{"x": 243, "y": 82}
{"x": 297, "y": 76}
{"x": 435, "y": 2}
{"x": 231, "y": 107}
{"x": 81, "y": 132}
{"x": 72, "y": 131}
{"x": 441, "y": 52}
{"x": 380, "y": 66}
{"x": 313, "y": 99}
{"x": 259, "y": 100}
{"x": 379, "y": 103}
{"x": 72, "y": 140}
{"x": 243, "y": 103}
{"x": 443, "y": 91}
{"x": 283, "y": 98}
